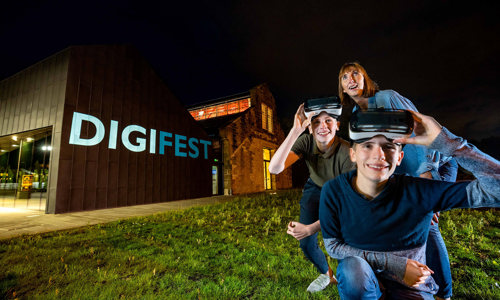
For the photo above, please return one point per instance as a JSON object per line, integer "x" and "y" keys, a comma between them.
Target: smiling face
{"x": 324, "y": 128}
{"x": 353, "y": 82}
{"x": 376, "y": 159}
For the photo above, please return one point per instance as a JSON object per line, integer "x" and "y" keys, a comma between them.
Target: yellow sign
{"x": 27, "y": 182}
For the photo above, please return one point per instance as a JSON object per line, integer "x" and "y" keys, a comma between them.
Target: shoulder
{"x": 386, "y": 93}
{"x": 302, "y": 144}
{"x": 392, "y": 99}
{"x": 341, "y": 181}
{"x": 342, "y": 142}
{"x": 344, "y": 146}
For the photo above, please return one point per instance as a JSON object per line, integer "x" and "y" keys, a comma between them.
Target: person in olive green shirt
{"x": 326, "y": 156}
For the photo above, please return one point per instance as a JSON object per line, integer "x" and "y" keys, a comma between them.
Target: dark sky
{"x": 442, "y": 55}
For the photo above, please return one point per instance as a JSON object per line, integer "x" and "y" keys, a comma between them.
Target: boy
{"x": 326, "y": 156}
{"x": 376, "y": 223}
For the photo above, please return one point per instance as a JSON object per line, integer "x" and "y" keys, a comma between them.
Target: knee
{"x": 356, "y": 278}
{"x": 352, "y": 269}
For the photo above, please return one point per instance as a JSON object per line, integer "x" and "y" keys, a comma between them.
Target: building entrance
{"x": 24, "y": 169}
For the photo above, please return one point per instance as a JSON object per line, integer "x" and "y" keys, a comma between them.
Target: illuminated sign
{"x": 27, "y": 182}
{"x": 181, "y": 144}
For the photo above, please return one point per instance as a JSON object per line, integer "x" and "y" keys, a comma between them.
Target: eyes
{"x": 346, "y": 75}
{"x": 389, "y": 147}
{"x": 327, "y": 121}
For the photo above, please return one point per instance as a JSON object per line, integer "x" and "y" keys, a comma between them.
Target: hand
{"x": 299, "y": 230}
{"x": 301, "y": 121}
{"x": 427, "y": 175}
{"x": 416, "y": 273}
{"x": 426, "y": 130}
{"x": 435, "y": 218}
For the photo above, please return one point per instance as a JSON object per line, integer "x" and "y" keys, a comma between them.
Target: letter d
{"x": 76, "y": 129}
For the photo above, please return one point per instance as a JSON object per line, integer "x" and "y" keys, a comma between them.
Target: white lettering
{"x": 183, "y": 146}
{"x": 76, "y": 130}
{"x": 141, "y": 141}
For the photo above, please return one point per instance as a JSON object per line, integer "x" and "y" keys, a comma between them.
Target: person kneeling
{"x": 376, "y": 223}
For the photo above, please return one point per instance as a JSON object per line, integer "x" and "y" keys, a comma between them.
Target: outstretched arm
{"x": 482, "y": 192}
{"x": 284, "y": 157}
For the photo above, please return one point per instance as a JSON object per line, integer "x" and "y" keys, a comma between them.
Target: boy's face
{"x": 324, "y": 127}
{"x": 376, "y": 158}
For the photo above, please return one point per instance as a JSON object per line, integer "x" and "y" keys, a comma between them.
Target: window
{"x": 267, "y": 118}
{"x": 221, "y": 109}
{"x": 267, "y": 175}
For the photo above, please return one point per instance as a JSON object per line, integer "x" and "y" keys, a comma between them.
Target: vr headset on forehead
{"x": 387, "y": 122}
{"x": 330, "y": 105}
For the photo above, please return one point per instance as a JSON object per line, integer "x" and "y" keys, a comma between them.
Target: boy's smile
{"x": 376, "y": 160}
{"x": 324, "y": 128}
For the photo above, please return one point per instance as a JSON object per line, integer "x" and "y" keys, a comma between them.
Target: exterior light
{"x": 29, "y": 139}
{"x": 14, "y": 137}
{"x": 46, "y": 148}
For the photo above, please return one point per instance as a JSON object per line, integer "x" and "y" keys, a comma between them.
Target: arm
{"x": 443, "y": 168}
{"x": 379, "y": 261}
{"x": 409, "y": 271}
{"x": 482, "y": 192}
{"x": 284, "y": 157}
{"x": 301, "y": 231}
{"x": 448, "y": 171}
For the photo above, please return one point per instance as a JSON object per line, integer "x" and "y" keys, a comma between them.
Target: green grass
{"x": 236, "y": 250}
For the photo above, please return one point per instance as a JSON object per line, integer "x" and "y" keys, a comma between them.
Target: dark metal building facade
{"x": 119, "y": 137}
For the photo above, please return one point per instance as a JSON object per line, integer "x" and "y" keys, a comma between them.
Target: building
{"x": 245, "y": 133}
{"x": 94, "y": 127}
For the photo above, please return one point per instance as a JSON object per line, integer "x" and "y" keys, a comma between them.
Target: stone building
{"x": 245, "y": 133}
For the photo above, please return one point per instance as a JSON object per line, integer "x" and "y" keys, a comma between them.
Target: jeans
{"x": 309, "y": 213}
{"x": 436, "y": 256}
{"x": 357, "y": 280}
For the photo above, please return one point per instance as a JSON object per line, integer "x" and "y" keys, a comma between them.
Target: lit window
{"x": 211, "y": 112}
{"x": 232, "y": 108}
{"x": 267, "y": 175}
{"x": 219, "y": 110}
{"x": 264, "y": 116}
{"x": 267, "y": 118}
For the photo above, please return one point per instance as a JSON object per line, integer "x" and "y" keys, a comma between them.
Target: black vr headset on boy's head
{"x": 330, "y": 105}
{"x": 387, "y": 122}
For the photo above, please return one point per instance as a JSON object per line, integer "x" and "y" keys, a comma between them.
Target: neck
{"x": 369, "y": 189}
{"x": 362, "y": 102}
{"x": 324, "y": 147}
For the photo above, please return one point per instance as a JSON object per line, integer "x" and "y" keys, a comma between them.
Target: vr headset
{"x": 330, "y": 105}
{"x": 390, "y": 123}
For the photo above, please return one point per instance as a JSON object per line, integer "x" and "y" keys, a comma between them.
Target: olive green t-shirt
{"x": 323, "y": 166}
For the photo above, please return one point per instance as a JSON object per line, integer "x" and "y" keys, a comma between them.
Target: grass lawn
{"x": 235, "y": 250}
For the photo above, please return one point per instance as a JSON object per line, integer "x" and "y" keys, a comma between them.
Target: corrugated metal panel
{"x": 32, "y": 99}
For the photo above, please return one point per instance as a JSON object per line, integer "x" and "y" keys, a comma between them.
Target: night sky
{"x": 441, "y": 55}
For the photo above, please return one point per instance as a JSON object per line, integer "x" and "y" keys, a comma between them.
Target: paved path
{"x": 15, "y": 222}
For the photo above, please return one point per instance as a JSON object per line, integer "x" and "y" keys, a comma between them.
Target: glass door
{"x": 24, "y": 169}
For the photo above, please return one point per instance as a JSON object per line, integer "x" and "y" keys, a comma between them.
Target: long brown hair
{"x": 369, "y": 89}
